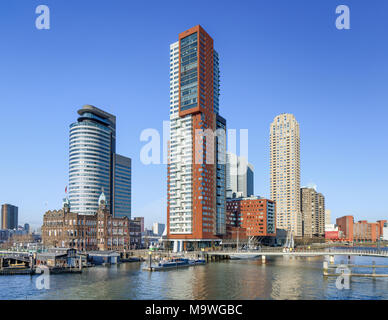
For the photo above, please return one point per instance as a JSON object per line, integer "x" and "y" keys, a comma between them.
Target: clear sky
{"x": 275, "y": 56}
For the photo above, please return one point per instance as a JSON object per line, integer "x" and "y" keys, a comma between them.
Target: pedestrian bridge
{"x": 301, "y": 253}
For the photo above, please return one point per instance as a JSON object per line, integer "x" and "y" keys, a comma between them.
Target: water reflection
{"x": 278, "y": 278}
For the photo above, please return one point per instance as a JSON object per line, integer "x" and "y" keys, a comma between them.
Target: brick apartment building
{"x": 345, "y": 225}
{"x": 360, "y": 231}
{"x": 254, "y": 214}
{"x": 100, "y": 231}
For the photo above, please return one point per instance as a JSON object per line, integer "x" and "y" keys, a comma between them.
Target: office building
{"x": 158, "y": 228}
{"x": 364, "y": 231}
{"x": 94, "y": 165}
{"x": 327, "y": 216}
{"x": 312, "y": 213}
{"x": 381, "y": 224}
{"x": 255, "y": 214}
{"x": 9, "y": 216}
{"x": 221, "y": 172}
{"x": 384, "y": 234}
{"x": 239, "y": 177}
{"x": 196, "y": 159}
{"x": 361, "y": 231}
{"x": 122, "y": 186}
{"x": 285, "y": 172}
{"x": 140, "y": 220}
{"x": 135, "y": 235}
{"x": 345, "y": 225}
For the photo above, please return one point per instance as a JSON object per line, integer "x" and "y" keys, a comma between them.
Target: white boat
{"x": 242, "y": 257}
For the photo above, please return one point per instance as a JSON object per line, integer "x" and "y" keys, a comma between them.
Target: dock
{"x": 16, "y": 271}
{"x": 346, "y": 270}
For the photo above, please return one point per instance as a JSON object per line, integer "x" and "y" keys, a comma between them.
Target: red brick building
{"x": 256, "y": 215}
{"x": 100, "y": 231}
{"x": 345, "y": 225}
{"x": 234, "y": 230}
{"x": 361, "y": 230}
{"x": 366, "y": 231}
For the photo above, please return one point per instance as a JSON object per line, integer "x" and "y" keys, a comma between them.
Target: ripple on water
{"x": 279, "y": 278}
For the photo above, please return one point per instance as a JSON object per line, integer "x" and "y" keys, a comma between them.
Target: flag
{"x": 66, "y": 189}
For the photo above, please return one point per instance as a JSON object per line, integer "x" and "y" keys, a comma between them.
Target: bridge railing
{"x": 329, "y": 251}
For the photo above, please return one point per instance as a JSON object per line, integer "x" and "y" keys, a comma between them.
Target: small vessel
{"x": 175, "y": 263}
{"x": 243, "y": 257}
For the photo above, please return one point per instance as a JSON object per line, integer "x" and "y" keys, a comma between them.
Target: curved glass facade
{"x": 89, "y": 164}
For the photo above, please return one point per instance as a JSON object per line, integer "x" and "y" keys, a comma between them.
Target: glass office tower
{"x": 92, "y": 164}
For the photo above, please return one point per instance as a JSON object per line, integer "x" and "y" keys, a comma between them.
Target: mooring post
{"x": 1, "y": 263}
{"x": 325, "y": 267}
{"x": 80, "y": 263}
{"x": 331, "y": 259}
{"x": 263, "y": 258}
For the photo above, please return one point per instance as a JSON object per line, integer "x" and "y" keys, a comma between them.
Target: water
{"x": 279, "y": 278}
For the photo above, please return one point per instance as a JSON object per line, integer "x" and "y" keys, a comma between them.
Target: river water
{"x": 278, "y": 278}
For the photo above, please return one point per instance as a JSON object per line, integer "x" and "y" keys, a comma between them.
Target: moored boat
{"x": 175, "y": 263}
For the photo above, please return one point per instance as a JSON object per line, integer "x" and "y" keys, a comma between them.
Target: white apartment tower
{"x": 196, "y": 207}
{"x": 285, "y": 172}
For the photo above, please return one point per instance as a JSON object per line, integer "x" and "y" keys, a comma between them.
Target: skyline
{"x": 37, "y": 172}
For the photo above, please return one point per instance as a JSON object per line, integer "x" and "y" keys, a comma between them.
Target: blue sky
{"x": 275, "y": 56}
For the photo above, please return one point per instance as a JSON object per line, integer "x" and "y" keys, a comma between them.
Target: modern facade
{"x": 364, "y": 231}
{"x": 327, "y": 216}
{"x": 312, "y": 213}
{"x": 285, "y": 172}
{"x": 158, "y": 228}
{"x": 255, "y": 214}
{"x": 221, "y": 172}
{"x": 361, "y": 231}
{"x": 239, "y": 177}
{"x": 345, "y": 225}
{"x": 384, "y": 234}
{"x": 94, "y": 165}
{"x": 9, "y": 216}
{"x": 196, "y": 161}
{"x": 140, "y": 220}
{"x": 122, "y": 186}
{"x": 382, "y": 224}
{"x": 234, "y": 230}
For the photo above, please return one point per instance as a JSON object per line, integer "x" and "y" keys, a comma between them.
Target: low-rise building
{"x": 385, "y": 232}
{"x": 332, "y": 232}
{"x": 135, "y": 234}
{"x": 360, "y": 231}
{"x": 366, "y": 231}
{"x": 85, "y": 232}
{"x": 255, "y": 214}
{"x": 234, "y": 231}
{"x": 345, "y": 225}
